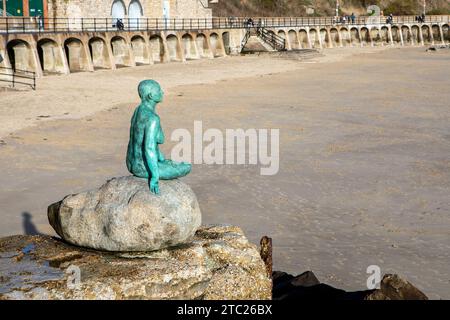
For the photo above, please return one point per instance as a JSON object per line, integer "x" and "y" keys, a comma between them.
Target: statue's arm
{"x": 130, "y": 142}
{"x": 151, "y": 154}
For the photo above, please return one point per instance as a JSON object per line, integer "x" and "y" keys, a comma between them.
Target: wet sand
{"x": 364, "y": 142}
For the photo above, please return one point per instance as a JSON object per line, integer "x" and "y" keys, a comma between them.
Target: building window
{"x": 135, "y": 13}
{"x": 118, "y": 10}
{"x": 14, "y": 7}
{"x": 36, "y": 8}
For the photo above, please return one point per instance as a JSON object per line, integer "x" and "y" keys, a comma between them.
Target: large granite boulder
{"x": 219, "y": 263}
{"x": 123, "y": 215}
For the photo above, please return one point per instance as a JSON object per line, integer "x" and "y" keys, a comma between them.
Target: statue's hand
{"x": 154, "y": 186}
{"x": 161, "y": 157}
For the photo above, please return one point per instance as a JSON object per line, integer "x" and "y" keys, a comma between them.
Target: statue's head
{"x": 150, "y": 90}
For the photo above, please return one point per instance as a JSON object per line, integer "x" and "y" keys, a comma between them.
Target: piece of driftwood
{"x": 266, "y": 254}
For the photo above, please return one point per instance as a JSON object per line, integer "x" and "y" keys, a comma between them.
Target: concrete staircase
{"x": 256, "y": 44}
{"x": 261, "y": 40}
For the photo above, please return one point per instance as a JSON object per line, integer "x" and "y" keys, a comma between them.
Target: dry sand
{"x": 365, "y": 154}
{"x": 82, "y": 94}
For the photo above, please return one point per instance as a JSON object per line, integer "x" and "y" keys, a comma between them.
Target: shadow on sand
{"x": 29, "y": 227}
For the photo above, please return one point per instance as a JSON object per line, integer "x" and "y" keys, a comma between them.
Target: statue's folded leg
{"x": 140, "y": 173}
{"x": 169, "y": 170}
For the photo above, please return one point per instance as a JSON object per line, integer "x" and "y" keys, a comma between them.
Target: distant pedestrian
{"x": 40, "y": 22}
{"x": 353, "y": 17}
{"x": 119, "y": 24}
{"x": 231, "y": 21}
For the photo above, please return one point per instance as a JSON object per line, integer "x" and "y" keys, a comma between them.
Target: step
{"x": 256, "y": 44}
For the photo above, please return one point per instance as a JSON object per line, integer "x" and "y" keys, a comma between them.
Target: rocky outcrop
{"x": 307, "y": 287}
{"x": 393, "y": 287}
{"x": 123, "y": 215}
{"x": 219, "y": 263}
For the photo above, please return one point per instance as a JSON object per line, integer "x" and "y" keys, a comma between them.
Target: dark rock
{"x": 280, "y": 276}
{"x": 306, "y": 279}
{"x": 393, "y": 287}
{"x": 307, "y": 287}
{"x": 288, "y": 286}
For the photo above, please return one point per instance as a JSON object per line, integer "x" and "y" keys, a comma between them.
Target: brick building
{"x": 107, "y": 8}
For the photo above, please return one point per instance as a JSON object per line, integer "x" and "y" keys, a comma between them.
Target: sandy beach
{"x": 364, "y": 173}
{"x": 82, "y": 94}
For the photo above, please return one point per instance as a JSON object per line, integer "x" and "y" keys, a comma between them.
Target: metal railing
{"x": 246, "y": 37}
{"x": 18, "y": 77}
{"x": 54, "y": 25}
{"x": 271, "y": 38}
{"x": 331, "y": 21}
{"x": 64, "y": 25}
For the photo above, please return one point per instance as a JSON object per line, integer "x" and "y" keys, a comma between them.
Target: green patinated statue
{"x": 144, "y": 158}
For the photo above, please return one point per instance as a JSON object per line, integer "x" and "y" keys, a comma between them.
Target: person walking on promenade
{"x": 390, "y": 19}
{"x": 120, "y": 25}
{"x": 40, "y": 22}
